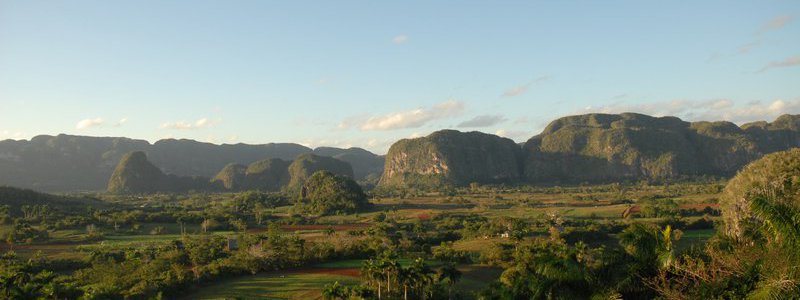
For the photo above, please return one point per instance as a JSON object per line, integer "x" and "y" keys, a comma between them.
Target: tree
{"x": 327, "y": 193}
{"x": 371, "y": 269}
{"x": 239, "y": 224}
{"x": 334, "y": 291}
{"x": 449, "y": 272}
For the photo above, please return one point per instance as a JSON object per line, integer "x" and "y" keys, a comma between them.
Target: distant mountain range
{"x": 74, "y": 163}
{"x": 573, "y": 149}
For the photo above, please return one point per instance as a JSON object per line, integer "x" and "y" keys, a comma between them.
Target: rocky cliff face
{"x": 452, "y": 157}
{"x": 589, "y": 148}
{"x": 136, "y": 175}
{"x": 231, "y": 177}
{"x": 268, "y": 174}
{"x": 603, "y": 147}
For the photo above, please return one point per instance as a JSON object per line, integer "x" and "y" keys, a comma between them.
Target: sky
{"x": 367, "y": 73}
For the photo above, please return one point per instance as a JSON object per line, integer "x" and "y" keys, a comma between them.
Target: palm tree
{"x": 373, "y": 273}
{"x": 780, "y": 220}
{"x": 405, "y": 277}
{"x": 452, "y": 275}
{"x": 781, "y": 225}
{"x": 419, "y": 276}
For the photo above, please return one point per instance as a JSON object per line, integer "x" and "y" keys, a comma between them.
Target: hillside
{"x": 16, "y": 198}
{"x": 364, "y": 163}
{"x": 589, "y": 148}
{"x": 265, "y": 175}
{"x": 306, "y": 165}
{"x": 452, "y": 157}
{"x": 135, "y": 174}
{"x": 602, "y": 147}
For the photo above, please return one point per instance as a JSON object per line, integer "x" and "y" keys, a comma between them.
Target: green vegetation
{"x": 451, "y": 157}
{"x": 330, "y": 239}
{"x": 326, "y": 193}
{"x": 306, "y": 165}
{"x": 771, "y": 177}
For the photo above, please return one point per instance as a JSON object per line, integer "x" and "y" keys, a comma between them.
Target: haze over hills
{"x": 135, "y": 174}
{"x": 582, "y": 148}
{"x": 72, "y": 163}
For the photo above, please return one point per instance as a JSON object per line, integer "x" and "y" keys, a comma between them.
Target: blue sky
{"x": 366, "y": 73}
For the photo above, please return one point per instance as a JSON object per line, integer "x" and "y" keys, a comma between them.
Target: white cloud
{"x": 183, "y": 125}
{"x": 89, "y": 123}
{"x": 400, "y": 39}
{"x": 405, "y": 119}
{"x": 512, "y": 134}
{"x": 711, "y": 110}
{"x": 482, "y": 121}
{"x": 788, "y": 62}
{"x": 521, "y": 89}
{"x": 6, "y": 134}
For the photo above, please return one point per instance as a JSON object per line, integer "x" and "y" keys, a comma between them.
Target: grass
{"x": 307, "y": 283}
{"x": 304, "y": 283}
{"x": 273, "y": 286}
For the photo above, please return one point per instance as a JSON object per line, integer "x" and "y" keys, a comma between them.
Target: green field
{"x": 307, "y": 283}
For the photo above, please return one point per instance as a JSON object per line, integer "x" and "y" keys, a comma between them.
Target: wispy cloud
{"x": 788, "y": 62}
{"x": 184, "y": 125}
{"x": 121, "y": 122}
{"x": 710, "y": 110}
{"x": 482, "y": 121}
{"x": 521, "y": 89}
{"x": 89, "y": 123}
{"x": 746, "y": 48}
{"x": 775, "y": 23}
{"x": 400, "y": 39}
{"x": 406, "y": 119}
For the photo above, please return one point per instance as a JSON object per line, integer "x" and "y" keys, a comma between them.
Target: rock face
{"x": 307, "y": 164}
{"x": 231, "y": 177}
{"x": 265, "y": 175}
{"x": 602, "y": 147}
{"x": 50, "y": 163}
{"x": 136, "y": 175}
{"x": 589, "y": 148}
{"x": 452, "y": 157}
{"x": 268, "y": 175}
